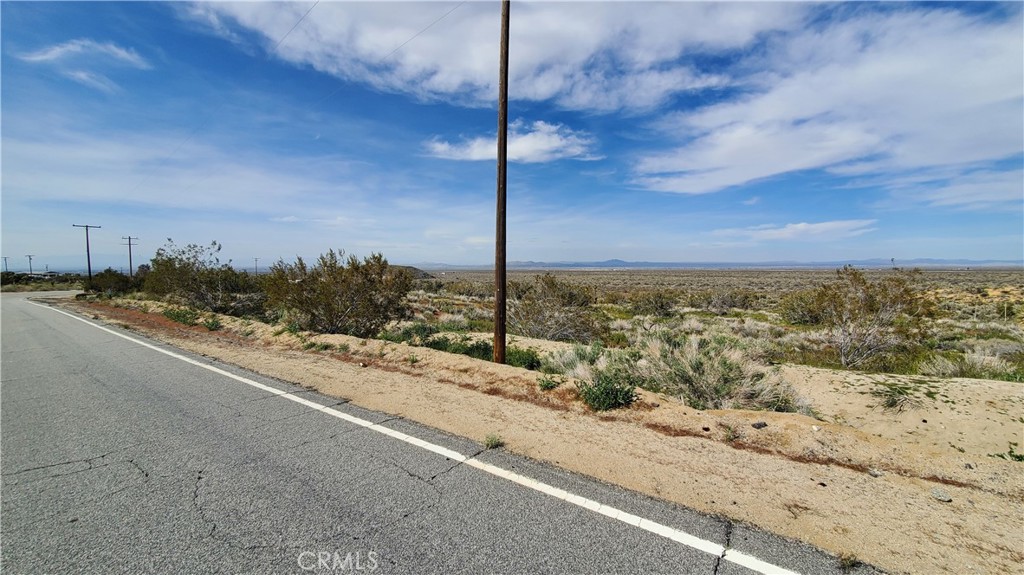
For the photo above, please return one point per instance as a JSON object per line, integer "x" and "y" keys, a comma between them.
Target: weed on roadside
{"x": 182, "y": 315}
{"x": 493, "y": 441}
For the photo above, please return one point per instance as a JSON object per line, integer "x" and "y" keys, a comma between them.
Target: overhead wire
{"x": 397, "y": 48}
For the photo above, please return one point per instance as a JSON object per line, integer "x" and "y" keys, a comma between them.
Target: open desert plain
{"x": 909, "y": 461}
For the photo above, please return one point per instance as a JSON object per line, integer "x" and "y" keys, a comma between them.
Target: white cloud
{"x": 528, "y": 143}
{"x": 821, "y": 231}
{"x": 981, "y": 190}
{"x": 79, "y": 59}
{"x": 594, "y": 56}
{"x": 87, "y": 48}
{"x": 875, "y": 93}
{"x": 93, "y": 80}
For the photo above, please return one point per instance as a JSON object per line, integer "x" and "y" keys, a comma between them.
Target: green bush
{"x": 519, "y": 357}
{"x": 612, "y": 387}
{"x": 801, "y": 308}
{"x": 193, "y": 276}
{"x": 110, "y": 282}
{"x": 866, "y": 319}
{"x": 334, "y": 296}
{"x": 182, "y": 315}
{"x": 480, "y": 349}
{"x": 547, "y": 383}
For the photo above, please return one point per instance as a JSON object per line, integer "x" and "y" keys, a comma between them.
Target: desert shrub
{"x": 658, "y": 303}
{"x": 193, "y": 276}
{"x": 470, "y": 288}
{"x": 801, "y": 307}
{"x": 520, "y": 357}
{"x": 721, "y": 301}
{"x": 612, "y": 386}
{"x": 182, "y": 315}
{"x": 415, "y": 333}
{"x": 967, "y": 365}
{"x": 110, "y": 282}
{"x": 547, "y": 383}
{"x": 864, "y": 319}
{"x": 574, "y": 362}
{"x": 712, "y": 372}
{"x": 339, "y": 296}
{"x": 479, "y": 349}
{"x": 547, "y": 308}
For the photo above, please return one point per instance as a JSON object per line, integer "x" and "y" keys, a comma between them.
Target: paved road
{"x": 117, "y": 458}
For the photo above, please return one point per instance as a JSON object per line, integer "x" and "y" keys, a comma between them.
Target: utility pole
{"x": 131, "y": 268}
{"x": 256, "y": 266}
{"x": 30, "y": 264}
{"x": 5, "y": 264}
{"x": 88, "y": 256}
{"x": 499, "y": 248}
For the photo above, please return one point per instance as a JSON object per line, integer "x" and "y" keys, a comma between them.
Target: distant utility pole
{"x": 5, "y": 263}
{"x": 131, "y": 268}
{"x": 499, "y": 248}
{"x": 30, "y": 264}
{"x": 88, "y": 256}
{"x": 256, "y": 266}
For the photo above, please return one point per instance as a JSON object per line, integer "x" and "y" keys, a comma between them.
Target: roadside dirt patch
{"x": 861, "y": 480}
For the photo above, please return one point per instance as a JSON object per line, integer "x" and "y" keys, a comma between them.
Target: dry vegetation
{"x": 716, "y": 366}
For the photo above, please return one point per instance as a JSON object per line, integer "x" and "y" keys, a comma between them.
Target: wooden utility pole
{"x": 256, "y": 266}
{"x": 499, "y": 249}
{"x": 30, "y": 263}
{"x": 131, "y": 268}
{"x": 5, "y": 263}
{"x": 88, "y": 256}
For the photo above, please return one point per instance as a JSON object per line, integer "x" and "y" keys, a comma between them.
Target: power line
{"x": 131, "y": 268}
{"x": 88, "y": 256}
{"x": 393, "y": 52}
{"x": 417, "y": 35}
{"x": 296, "y": 25}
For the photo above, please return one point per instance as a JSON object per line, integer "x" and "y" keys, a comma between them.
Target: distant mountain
{"x": 782, "y": 264}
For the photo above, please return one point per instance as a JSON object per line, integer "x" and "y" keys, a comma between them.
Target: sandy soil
{"x": 859, "y": 481}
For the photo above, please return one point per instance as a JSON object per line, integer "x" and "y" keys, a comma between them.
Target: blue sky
{"x": 680, "y": 131}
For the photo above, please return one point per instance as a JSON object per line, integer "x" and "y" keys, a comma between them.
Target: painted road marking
{"x": 710, "y": 547}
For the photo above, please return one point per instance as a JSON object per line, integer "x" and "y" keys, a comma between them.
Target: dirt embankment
{"x": 909, "y": 491}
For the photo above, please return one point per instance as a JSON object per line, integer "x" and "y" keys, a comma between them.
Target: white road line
{"x": 710, "y": 547}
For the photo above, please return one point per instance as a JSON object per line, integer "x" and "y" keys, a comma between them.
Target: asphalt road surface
{"x": 118, "y": 458}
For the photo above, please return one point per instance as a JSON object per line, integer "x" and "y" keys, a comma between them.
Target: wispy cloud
{"x": 533, "y": 142}
{"x": 981, "y": 190}
{"x": 82, "y": 60}
{"x": 88, "y": 48}
{"x": 93, "y": 80}
{"x": 821, "y": 231}
{"x": 877, "y": 93}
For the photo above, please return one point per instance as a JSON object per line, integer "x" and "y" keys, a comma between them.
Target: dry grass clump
{"x": 703, "y": 371}
{"x": 713, "y": 372}
{"x": 965, "y": 365}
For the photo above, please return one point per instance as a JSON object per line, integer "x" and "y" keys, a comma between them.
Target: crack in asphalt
{"x": 87, "y": 460}
{"x": 725, "y": 547}
{"x": 213, "y": 533}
